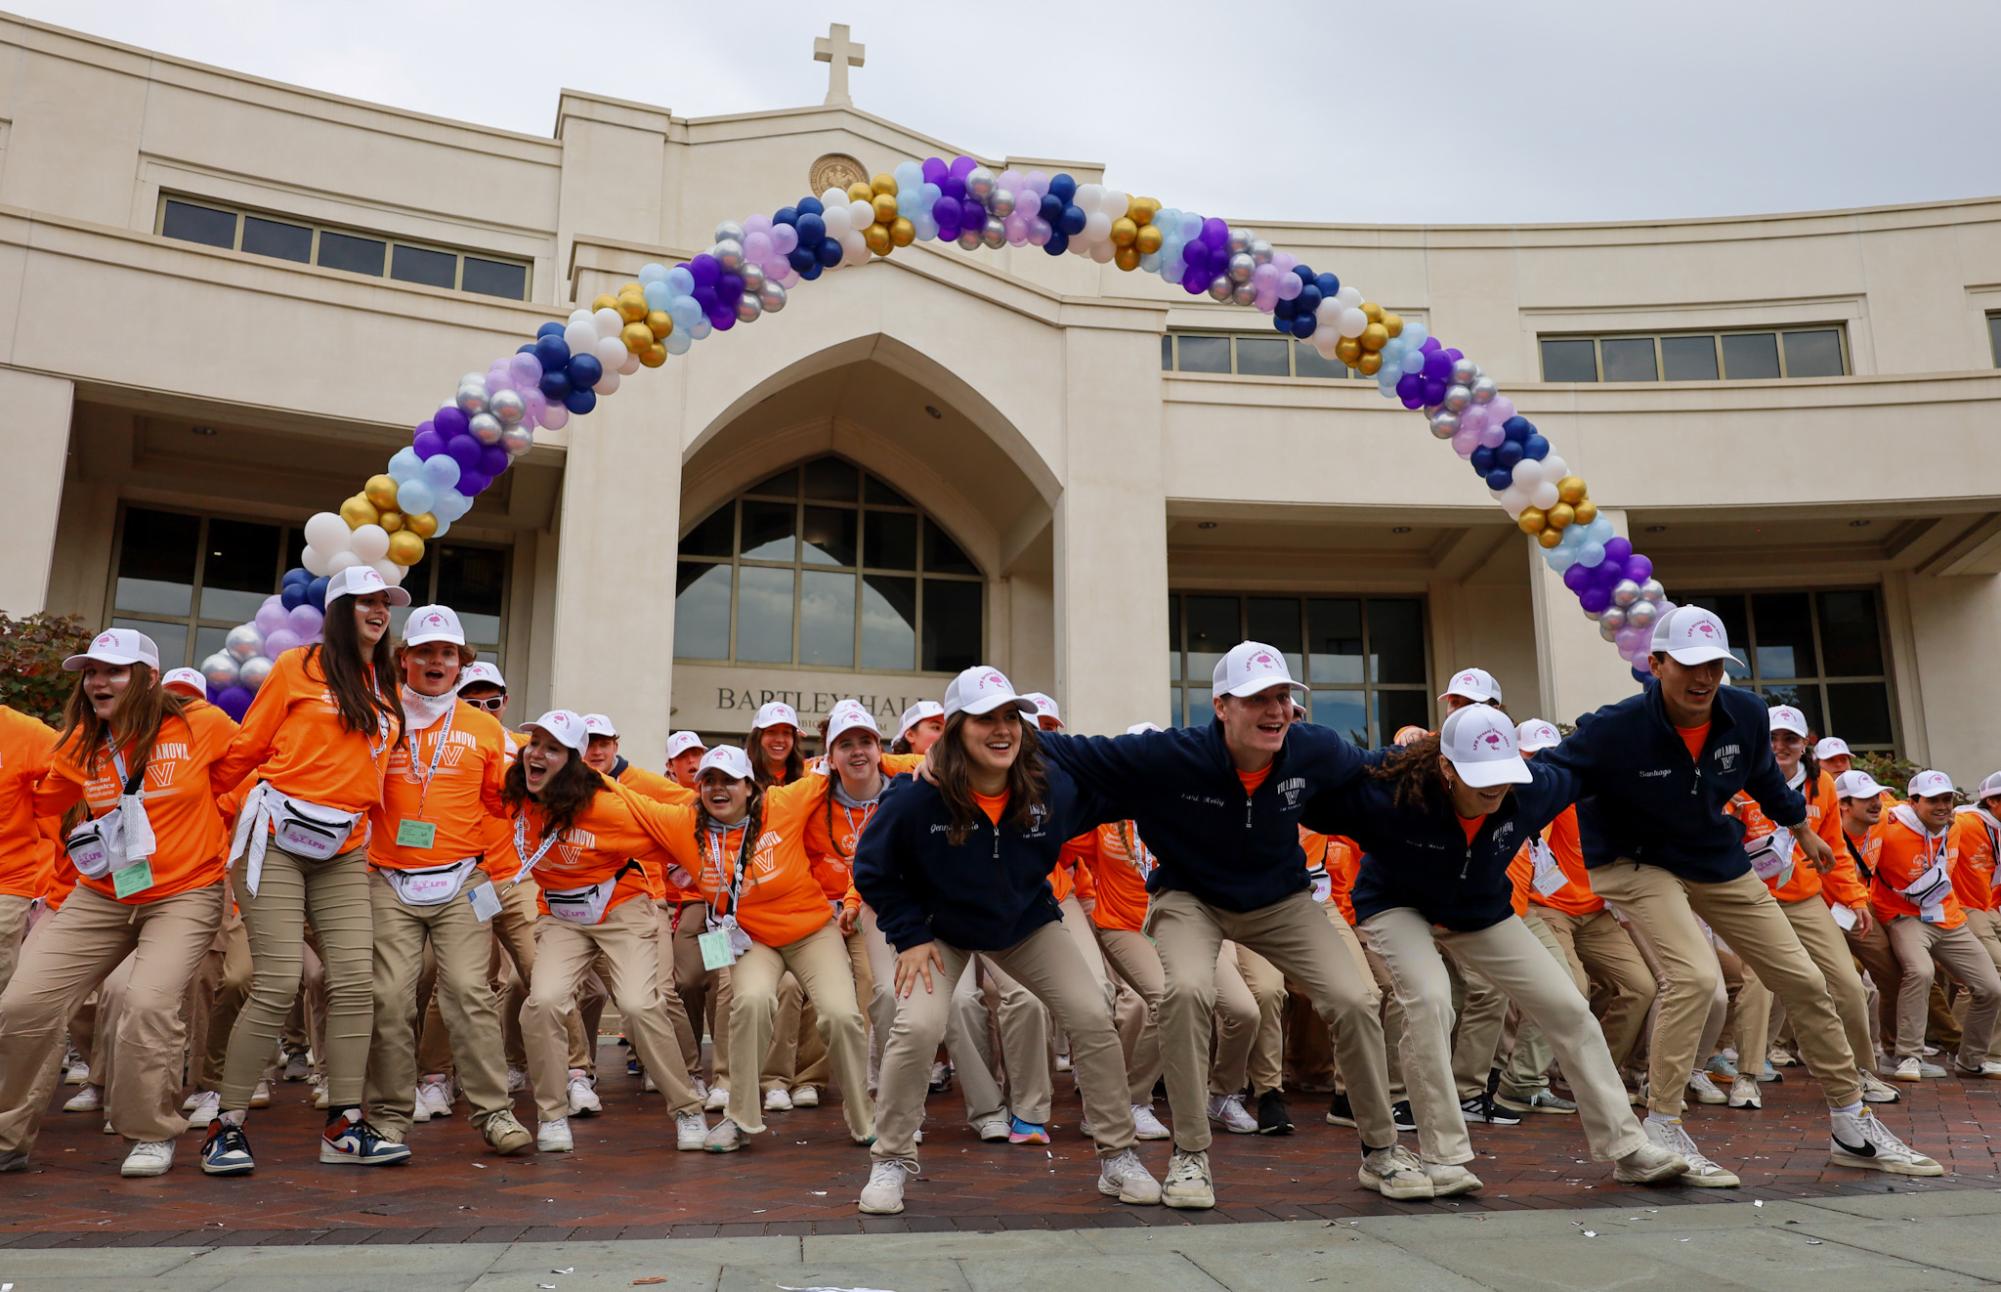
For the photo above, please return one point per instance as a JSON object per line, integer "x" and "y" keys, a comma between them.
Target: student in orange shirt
{"x": 429, "y": 883}
{"x": 773, "y": 745}
{"x": 776, "y": 759}
{"x": 583, "y": 839}
{"x": 687, "y": 916}
{"x": 684, "y": 755}
{"x": 309, "y": 762}
{"x": 854, "y": 757}
{"x": 1863, "y": 804}
{"x": 145, "y": 764}
{"x": 919, "y": 728}
{"x": 1976, "y": 838}
{"x": 26, "y": 744}
{"x": 1913, "y": 896}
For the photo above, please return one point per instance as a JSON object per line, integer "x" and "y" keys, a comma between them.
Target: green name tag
{"x": 716, "y": 952}
{"x": 416, "y": 834}
{"x": 135, "y": 878}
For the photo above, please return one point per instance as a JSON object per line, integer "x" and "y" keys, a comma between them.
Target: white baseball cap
{"x": 1475, "y": 684}
{"x": 565, "y": 727}
{"x": 117, "y": 646}
{"x": 845, "y": 717}
{"x": 1929, "y": 784}
{"x": 1832, "y": 747}
{"x": 480, "y": 671}
{"x": 681, "y": 742}
{"x": 360, "y": 581}
{"x": 189, "y": 677}
{"x": 1141, "y": 728}
{"x": 982, "y": 690}
{"x": 1691, "y": 635}
{"x": 1480, "y": 743}
{"x": 1251, "y": 667}
{"x": 433, "y": 624}
{"x": 1045, "y": 707}
{"x": 1989, "y": 788}
{"x": 1536, "y": 734}
{"x": 727, "y": 759}
{"x": 917, "y": 713}
{"x": 776, "y": 714}
{"x": 1786, "y": 718}
{"x": 1856, "y": 785}
{"x": 597, "y": 724}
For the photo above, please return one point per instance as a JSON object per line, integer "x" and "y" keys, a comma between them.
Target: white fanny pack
{"x": 302, "y": 828}
{"x": 97, "y": 846}
{"x": 1928, "y": 891}
{"x": 585, "y": 905}
{"x": 1772, "y": 857}
{"x": 433, "y": 887}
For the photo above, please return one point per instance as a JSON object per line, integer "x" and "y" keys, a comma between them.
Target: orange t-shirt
{"x": 1521, "y": 872}
{"x": 293, "y": 740}
{"x": 180, "y": 795}
{"x": 1471, "y": 825}
{"x": 1576, "y": 896}
{"x": 1251, "y": 780}
{"x": 606, "y": 837}
{"x": 1695, "y": 738}
{"x": 1907, "y": 854}
{"x": 1341, "y": 859}
{"x": 991, "y": 804}
{"x": 1120, "y": 864}
{"x": 1804, "y": 882}
{"x": 661, "y": 789}
{"x": 1063, "y": 879}
{"x": 463, "y": 798}
{"x": 26, "y": 745}
{"x": 1973, "y": 846}
{"x": 832, "y": 834}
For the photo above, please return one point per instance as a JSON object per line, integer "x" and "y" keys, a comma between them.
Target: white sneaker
{"x": 690, "y": 1130}
{"x": 1859, "y": 1140}
{"x": 1704, "y": 1091}
{"x": 1780, "y": 1057}
{"x": 149, "y": 1157}
{"x": 1875, "y": 1090}
{"x": 1123, "y": 1176}
{"x": 517, "y": 1081}
{"x": 1908, "y": 1070}
{"x": 261, "y": 1097}
{"x": 1148, "y": 1126}
{"x": 188, "y": 1104}
{"x": 1228, "y": 1112}
{"x": 1650, "y": 1164}
{"x": 1988, "y": 1070}
{"x": 434, "y": 1094}
{"x": 320, "y": 1100}
{"x": 1063, "y": 1063}
{"x": 995, "y": 1127}
{"x": 1395, "y": 1172}
{"x": 723, "y": 1137}
{"x": 805, "y": 1097}
{"x": 90, "y": 1099}
{"x": 701, "y": 1087}
{"x": 649, "y": 1086}
{"x": 719, "y": 1099}
{"x": 1449, "y": 1179}
{"x": 77, "y": 1073}
{"x": 1674, "y": 1137}
{"x": 584, "y": 1100}
{"x": 208, "y": 1103}
{"x": 1189, "y": 1185}
{"x": 883, "y": 1194}
{"x": 777, "y": 1101}
{"x": 1744, "y": 1093}
{"x": 555, "y": 1137}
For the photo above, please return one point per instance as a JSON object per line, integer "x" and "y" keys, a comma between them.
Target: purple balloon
{"x": 450, "y": 422}
{"x": 1454, "y": 354}
{"x": 1576, "y": 578}
{"x": 428, "y": 444}
{"x": 963, "y": 166}
{"x": 1617, "y": 550}
{"x": 935, "y": 170}
{"x": 1215, "y": 232}
{"x": 1412, "y": 402}
{"x": 1595, "y": 600}
{"x": 729, "y": 290}
{"x": 1638, "y": 568}
{"x": 492, "y": 461}
{"x": 1434, "y": 390}
{"x": 971, "y": 214}
{"x": 426, "y": 425}
{"x": 1194, "y": 281}
{"x": 1432, "y": 345}
{"x": 278, "y": 642}
{"x": 1410, "y": 386}
{"x": 1437, "y": 366}
{"x": 305, "y": 621}
{"x": 705, "y": 270}
{"x": 234, "y": 701}
{"x": 473, "y": 480}
{"x": 466, "y": 451}
{"x": 270, "y": 616}
{"x": 945, "y": 211}
{"x": 953, "y": 186}
{"x": 723, "y": 319}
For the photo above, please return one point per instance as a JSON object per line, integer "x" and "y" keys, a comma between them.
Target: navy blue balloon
{"x": 786, "y": 215}
{"x": 1282, "y": 325}
{"x": 829, "y": 253}
{"x": 812, "y": 269}
{"x": 1506, "y": 454}
{"x": 812, "y": 229}
{"x": 1328, "y": 285}
{"x": 1063, "y": 186}
{"x": 293, "y": 595}
{"x": 1535, "y": 447}
{"x": 551, "y": 328}
{"x": 801, "y": 260}
{"x": 556, "y": 385}
{"x": 811, "y": 206}
{"x": 1304, "y": 273}
{"x": 1073, "y": 220}
{"x": 316, "y": 593}
{"x": 1482, "y": 459}
{"x": 1308, "y": 299}
{"x": 553, "y": 352}
{"x": 1519, "y": 428}
{"x": 1058, "y": 243}
{"x": 528, "y": 348}
{"x": 1051, "y": 209}
{"x": 1285, "y": 309}
{"x": 585, "y": 370}
{"x": 1642, "y": 676}
{"x": 581, "y": 402}
{"x": 1302, "y": 327}
{"x": 1497, "y": 479}
{"x": 297, "y": 574}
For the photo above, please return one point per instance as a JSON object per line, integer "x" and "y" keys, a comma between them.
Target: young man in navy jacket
{"x": 1220, "y": 807}
{"x": 1655, "y": 771}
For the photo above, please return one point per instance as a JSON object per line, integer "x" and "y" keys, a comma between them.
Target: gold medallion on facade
{"x": 834, "y": 170}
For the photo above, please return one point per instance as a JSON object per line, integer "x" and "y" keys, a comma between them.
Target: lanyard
{"x": 437, "y": 752}
{"x": 376, "y": 748}
{"x": 529, "y": 863}
{"x": 1136, "y": 852}
{"x": 715, "y": 859}
{"x": 854, "y": 829}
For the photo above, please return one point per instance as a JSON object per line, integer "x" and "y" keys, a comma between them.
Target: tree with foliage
{"x": 32, "y": 650}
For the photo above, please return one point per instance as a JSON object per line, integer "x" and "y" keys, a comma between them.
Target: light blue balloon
{"x": 678, "y": 343}
{"x": 685, "y": 311}
{"x": 1150, "y": 262}
{"x": 1559, "y": 559}
{"x": 651, "y": 273}
{"x": 451, "y": 504}
{"x": 680, "y": 282}
{"x": 405, "y": 465}
{"x": 657, "y": 295}
{"x": 701, "y": 329}
{"x": 1414, "y": 335}
{"x": 441, "y": 471}
{"x": 416, "y": 497}
{"x": 1591, "y": 555}
{"x": 444, "y": 526}
{"x": 1601, "y": 530}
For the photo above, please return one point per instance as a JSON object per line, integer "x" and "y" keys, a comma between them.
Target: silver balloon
{"x": 244, "y": 642}
{"x": 1260, "y": 251}
{"x": 1457, "y": 398}
{"x": 1241, "y": 267}
{"x": 1652, "y": 591}
{"x": 1240, "y": 242}
{"x": 1614, "y": 616}
{"x": 220, "y": 670}
{"x": 518, "y": 439}
{"x": 995, "y": 234}
{"x": 979, "y": 184}
{"x": 1002, "y": 202}
{"x": 1594, "y": 615}
{"x": 970, "y": 239}
{"x": 508, "y": 406}
{"x": 1444, "y": 424}
{"x": 747, "y": 309}
{"x": 1220, "y": 287}
{"x": 1484, "y": 389}
{"x": 485, "y": 428}
{"x": 1642, "y": 614}
{"x": 1464, "y": 372}
{"x": 1244, "y": 294}
{"x": 253, "y": 672}
{"x": 471, "y": 399}
{"x": 1608, "y": 629}
{"x": 473, "y": 379}
{"x": 752, "y": 274}
{"x": 771, "y": 296}
{"x": 729, "y": 255}
{"x": 1625, "y": 592}
{"x": 729, "y": 231}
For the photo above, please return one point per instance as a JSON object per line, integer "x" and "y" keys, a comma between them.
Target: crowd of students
{"x": 376, "y": 884}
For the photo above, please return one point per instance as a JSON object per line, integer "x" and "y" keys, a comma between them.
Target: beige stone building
{"x": 224, "y": 301}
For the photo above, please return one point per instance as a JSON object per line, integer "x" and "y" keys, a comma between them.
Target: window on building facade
{"x": 1994, "y": 337}
{"x": 825, "y": 566}
{"x": 1253, "y": 355}
{"x": 351, "y": 251}
{"x": 186, "y": 579}
{"x": 1746, "y": 355}
{"x": 1822, "y": 651}
{"x": 1364, "y": 658}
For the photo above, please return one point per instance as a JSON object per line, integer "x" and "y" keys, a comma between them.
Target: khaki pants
{"x": 692, "y": 982}
{"x": 76, "y": 949}
{"x": 1986, "y": 926}
{"x": 1265, "y": 1066}
{"x": 334, "y": 893}
{"x": 510, "y": 963}
{"x": 820, "y": 962}
{"x": 881, "y": 1003}
{"x": 1872, "y": 950}
{"x": 1294, "y": 935}
{"x": 1048, "y": 964}
{"x": 1310, "y": 1048}
{"x": 1239, "y": 1017}
{"x": 13, "y": 928}
{"x": 1744, "y": 913}
{"x": 1023, "y": 1024}
{"x": 1526, "y": 1072}
{"x": 790, "y": 1052}
{"x": 1599, "y": 951}
{"x": 1134, "y": 961}
{"x": 622, "y": 948}
{"x": 463, "y": 947}
{"x": 1918, "y": 945}
{"x": 1508, "y": 956}
{"x": 1821, "y": 936}
{"x": 221, "y": 987}
{"x": 1482, "y": 1011}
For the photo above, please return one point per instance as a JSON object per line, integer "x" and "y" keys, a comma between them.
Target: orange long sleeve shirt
{"x": 462, "y": 798}
{"x": 1120, "y": 863}
{"x": 606, "y": 838}
{"x": 1908, "y": 853}
{"x": 293, "y": 740}
{"x": 1974, "y": 840}
{"x": 1576, "y": 896}
{"x": 26, "y": 746}
{"x": 660, "y": 789}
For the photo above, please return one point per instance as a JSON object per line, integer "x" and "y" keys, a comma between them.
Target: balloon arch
{"x": 461, "y": 449}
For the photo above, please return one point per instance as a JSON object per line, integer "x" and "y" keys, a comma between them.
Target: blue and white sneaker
{"x": 226, "y": 1150}
{"x": 351, "y": 1141}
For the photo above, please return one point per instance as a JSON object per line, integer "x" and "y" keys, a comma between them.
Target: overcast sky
{"x": 1320, "y": 110}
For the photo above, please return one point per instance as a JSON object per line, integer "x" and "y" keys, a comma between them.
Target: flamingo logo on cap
{"x": 1492, "y": 740}
{"x": 1706, "y": 628}
{"x": 106, "y": 639}
{"x": 991, "y": 679}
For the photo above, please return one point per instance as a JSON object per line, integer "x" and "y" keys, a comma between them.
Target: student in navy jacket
{"x": 1654, "y": 773}
{"x": 1220, "y": 808}
{"x": 961, "y": 866}
{"x": 1438, "y": 822}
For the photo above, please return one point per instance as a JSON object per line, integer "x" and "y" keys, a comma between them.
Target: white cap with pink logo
{"x": 1928, "y": 785}
{"x": 433, "y": 624}
{"x": 117, "y": 646}
{"x": 847, "y": 716}
{"x": 189, "y": 680}
{"x": 1536, "y": 735}
{"x": 1475, "y": 684}
{"x": 981, "y": 689}
{"x": 775, "y": 714}
{"x": 564, "y": 726}
{"x": 1252, "y": 667}
{"x": 1784, "y": 717}
{"x": 598, "y": 724}
{"x": 681, "y": 742}
{"x": 1691, "y": 635}
{"x": 1480, "y": 743}
{"x": 727, "y": 759}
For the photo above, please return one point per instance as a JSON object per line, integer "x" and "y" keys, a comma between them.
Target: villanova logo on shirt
{"x": 1290, "y": 790}
{"x": 1504, "y": 833}
{"x": 1727, "y": 755}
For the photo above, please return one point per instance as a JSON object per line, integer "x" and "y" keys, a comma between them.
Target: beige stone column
{"x": 34, "y": 445}
{"x": 1577, "y": 670}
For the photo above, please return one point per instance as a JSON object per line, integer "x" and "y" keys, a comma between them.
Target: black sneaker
{"x": 351, "y": 1141}
{"x": 1273, "y": 1116}
{"x": 1339, "y": 1111}
{"x": 1402, "y": 1116}
{"x": 226, "y": 1150}
{"x": 1481, "y": 1108}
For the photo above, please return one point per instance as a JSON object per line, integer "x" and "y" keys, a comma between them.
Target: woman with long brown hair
{"x": 145, "y": 764}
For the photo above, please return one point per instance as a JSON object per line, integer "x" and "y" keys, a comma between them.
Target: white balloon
{"x": 326, "y": 531}
{"x": 1528, "y": 473}
{"x": 582, "y": 315}
{"x": 1089, "y": 197}
{"x": 1349, "y": 296}
{"x": 369, "y": 543}
{"x": 610, "y": 351}
{"x": 861, "y": 214}
{"x": 315, "y": 562}
{"x": 1097, "y": 227}
{"x": 839, "y": 221}
{"x": 607, "y": 383}
{"x": 629, "y": 364}
{"x": 1514, "y": 499}
{"x": 1554, "y": 468}
{"x": 1544, "y": 495}
{"x": 1115, "y": 203}
{"x": 1352, "y": 321}
{"x": 392, "y": 573}
{"x": 340, "y": 561}
{"x": 608, "y": 322}
{"x": 581, "y": 336}
{"x": 833, "y": 199}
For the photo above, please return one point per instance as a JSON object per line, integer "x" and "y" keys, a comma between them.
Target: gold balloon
{"x": 883, "y": 183}
{"x": 423, "y": 524}
{"x": 1532, "y": 520}
{"x": 1369, "y": 364}
{"x": 1124, "y": 231}
{"x": 636, "y": 336}
{"x": 1561, "y": 516}
{"x": 885, "y": 208}
{"x": 877, "y": 238}
{"x": 631, "y": 306}
{"x": 1550, "y": 538}
{"x": 1148, "y": 239}
{"x": 632, "y": 289}
{"x": 902, "y": 232}
{"x": 1143, "y": 209}
{"x": 405, "y": 548}
{"x": 380, "y": 490}
{"x": 659, "y": 324}
{"x": 1372, "y": 311}
{"x": 653, "y": 355}
{"x": 1392, "y": 323}
{"x": 1571, "y": 489}
{"x": 1126, "y": 258}
{"x": 358, "y": 511}
{"x": 859, "y": 191}
{"x": 604, "y": 301}
{"x": 1374, "y": 337}
{"x": 1587, "y": 511}
{"x": 391, "y": 521}
{"x": 1348, "y": 350}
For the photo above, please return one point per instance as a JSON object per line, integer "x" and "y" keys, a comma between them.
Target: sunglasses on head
{"x": 491, "y": 703}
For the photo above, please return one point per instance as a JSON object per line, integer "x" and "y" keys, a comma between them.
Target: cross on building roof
{"x": 839, "y": 53}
